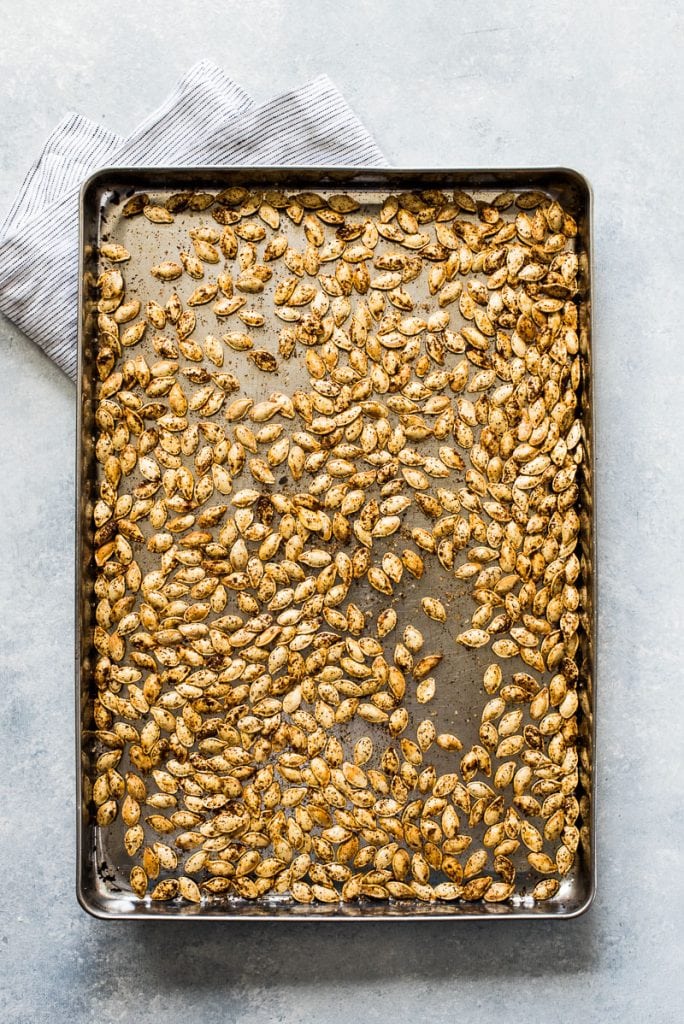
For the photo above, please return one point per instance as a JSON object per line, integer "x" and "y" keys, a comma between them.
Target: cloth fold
{"x": 207, "y": 120}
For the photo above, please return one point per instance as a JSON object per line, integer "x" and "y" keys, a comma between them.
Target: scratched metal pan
{"x": 102, "y": 870}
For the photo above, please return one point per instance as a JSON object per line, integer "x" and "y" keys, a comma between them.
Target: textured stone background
{"x": 590, "y": 84}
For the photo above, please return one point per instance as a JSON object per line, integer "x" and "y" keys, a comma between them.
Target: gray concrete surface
{"x": 592, "y": 85}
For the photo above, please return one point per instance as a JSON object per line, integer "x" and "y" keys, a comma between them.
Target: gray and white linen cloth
{"x": 208, "y": 120}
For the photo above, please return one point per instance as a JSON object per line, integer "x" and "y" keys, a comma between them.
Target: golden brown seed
{"x": 167, "y": 271}
{"x": 447, "y": 741}
{"x": 387, "y": 620}
{"x": 498, "y": 891}
{"x": 541, "y": 862}
{"x": 133, "y": 839}
{"x": 434, "y": 609}
{"x": 107, "y": 812}
{"x": 114, "y": 252}
{"x": 189, "y": 889}
{"x": 426, "y": 665}
{"x": 138, "y": 881}
{"x": 473, "y": 638}
{"x": 425, "y": 690}
{"x": 165, "y": 890}
{"x": 546, "y": 889}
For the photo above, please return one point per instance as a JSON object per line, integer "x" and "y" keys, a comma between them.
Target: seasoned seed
{"x": 546, "y": 889}
{"x": 425, "y": 690}
{"x": 167, "y": 271}
{"x": 387, "y": 620}
{"x": 541, "y": 862}
{"x": 189, "y": 889}
{"x": 158, "y": 214}
{"x": 434, "y": 609}
{"x": 138, "y": 881}
{"x": 165, "y": 890}
{"x": 473, "y": 638}
{"x": 498, "y": 891}
{"x": 114, "y": 252}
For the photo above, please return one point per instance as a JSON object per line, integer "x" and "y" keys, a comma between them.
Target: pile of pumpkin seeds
{"x": 256, "y": 678}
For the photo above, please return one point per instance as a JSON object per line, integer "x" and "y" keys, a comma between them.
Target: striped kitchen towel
{"x": 207, "y": 120}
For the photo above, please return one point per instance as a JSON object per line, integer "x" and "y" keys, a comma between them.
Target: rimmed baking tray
{"x": 102, "y": 865}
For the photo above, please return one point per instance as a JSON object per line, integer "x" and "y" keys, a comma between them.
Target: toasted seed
{"x": 492, "y": 678}
{"x": 434, "y": 609}
{"x": 167, "y": 271}
{"x": 447, "y": 741}
{"x": 189, "y": 889}
{"x": 165, "y": 890}
{"x": 476, "y": 888}
{"x": 425, "y": 690}
{"x": 264, "y": 360}
{"x": 107, "y": 812}
{"x": 413, "y": 639}
{"x": 205, "y": 293}
{"x": 541, "y": 862}
{"x": 387, "y": 620}
{"x": 138, "y": 881}
{"x": 114, "y": 252}
{"x": 473, "y": 638}
{"x": 134, "y": 839}
{"x": 379, "y": 580}
{"x": 426, "y": 665}
{"x": 498, "y": 891}
{"x": 546, "y": 889}
{"x": 158, "y": 214}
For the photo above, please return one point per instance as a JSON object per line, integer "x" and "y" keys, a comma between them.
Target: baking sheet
{"x": 102, "y": 863}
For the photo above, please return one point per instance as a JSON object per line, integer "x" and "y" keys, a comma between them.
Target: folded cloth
{"x": 207, "y": 120}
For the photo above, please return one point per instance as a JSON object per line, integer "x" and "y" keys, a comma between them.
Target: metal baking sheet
{"x": 102, "y": 865}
